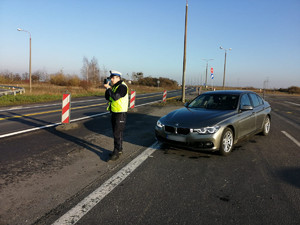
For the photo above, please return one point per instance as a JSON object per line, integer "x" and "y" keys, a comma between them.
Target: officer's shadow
{"x": 102, "y": 153}
{"x": 66, "y": 135}
{"x": 139, "y": 130}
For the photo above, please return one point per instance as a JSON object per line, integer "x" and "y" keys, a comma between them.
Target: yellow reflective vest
{"x": 120, "y": 105}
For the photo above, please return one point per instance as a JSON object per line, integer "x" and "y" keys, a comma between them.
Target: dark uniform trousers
{"x": 118, "y": 121}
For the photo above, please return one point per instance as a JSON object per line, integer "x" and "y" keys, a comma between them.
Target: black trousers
{"x": 118, "y": 121}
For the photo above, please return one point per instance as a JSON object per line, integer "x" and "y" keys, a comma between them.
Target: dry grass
{"x": 47, "y": 92}
{"x": 41, "y": 89}
{"x": 49, "y": 89}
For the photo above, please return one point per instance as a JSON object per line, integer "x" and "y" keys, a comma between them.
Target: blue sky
{"x": 147, "y": 36}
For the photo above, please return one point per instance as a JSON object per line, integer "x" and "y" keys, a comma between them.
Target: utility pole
{"x": 224, "y": 70}
{"x": 224, "y": 64}
{"x": 184, "y": 53}
{"x": 30, "y": 78}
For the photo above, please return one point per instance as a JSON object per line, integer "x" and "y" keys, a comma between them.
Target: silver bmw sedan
{"x": 215, "y": 121}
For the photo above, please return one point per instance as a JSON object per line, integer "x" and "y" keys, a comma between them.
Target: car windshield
{"x": 215, "y": 101}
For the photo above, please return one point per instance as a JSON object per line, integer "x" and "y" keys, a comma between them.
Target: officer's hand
{"x": 106, "y": 86}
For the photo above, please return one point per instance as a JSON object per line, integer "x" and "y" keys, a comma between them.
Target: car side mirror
{"x": 186, "y": 104}
{"x": 246, "y": 107}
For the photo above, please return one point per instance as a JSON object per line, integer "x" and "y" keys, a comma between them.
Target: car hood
{"x": 196, "y": 117}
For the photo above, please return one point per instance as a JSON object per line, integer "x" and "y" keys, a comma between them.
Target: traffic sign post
{"x": 212, "y": 76}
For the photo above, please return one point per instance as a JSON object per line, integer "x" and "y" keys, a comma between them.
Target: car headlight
{"x": 207, "y": 130}
{"x": 159, "y": 124}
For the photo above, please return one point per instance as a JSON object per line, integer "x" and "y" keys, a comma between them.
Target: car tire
{"x": 266, "y": 126}
{"x": 227, "y": 141}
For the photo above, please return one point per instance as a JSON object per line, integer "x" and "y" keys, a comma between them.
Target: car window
{"x": 255, "y": 100}
{"x": 261, "y": 101}
{"x": 215, "y": 101}
{"x": 245, "y": 100}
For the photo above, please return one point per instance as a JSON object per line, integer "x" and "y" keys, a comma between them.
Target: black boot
{"x": 114, "y": 157}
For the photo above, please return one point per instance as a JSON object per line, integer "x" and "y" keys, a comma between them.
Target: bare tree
{"x": 85, "y": 68}
{"x": 95, "y": 71}
{"x": 103, "y": 73}
{"x": 137, "y": 76}
{"x": 25, "y": 76}
{"x": 90, "y": 70}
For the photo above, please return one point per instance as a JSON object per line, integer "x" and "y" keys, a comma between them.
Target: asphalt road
{"x": 259, "y": 183}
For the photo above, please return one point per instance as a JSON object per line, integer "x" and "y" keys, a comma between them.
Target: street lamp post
{"x": 206, "y": 70}
{"x": 224, "y": 65}
{"x": 184, "y": 54}
{"x": 19, "y": 29}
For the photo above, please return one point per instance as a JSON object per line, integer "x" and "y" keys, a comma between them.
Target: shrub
{"x": 59, "y": 79}
{"x": 74, "y": 81}
{"x": 290, "y": 90}
{"x": 152, "y": 82}
{"x": 85, "y": 84}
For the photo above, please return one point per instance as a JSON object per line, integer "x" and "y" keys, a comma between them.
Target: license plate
{"x": 176, "y": 138}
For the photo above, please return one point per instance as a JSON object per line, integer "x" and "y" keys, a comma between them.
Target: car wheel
{"x": 266, "y": 127}
{"x": 226, "y": 142}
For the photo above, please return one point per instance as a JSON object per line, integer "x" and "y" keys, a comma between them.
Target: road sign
{"x": 211, "y": 70}
{"x": 212, "y": 76}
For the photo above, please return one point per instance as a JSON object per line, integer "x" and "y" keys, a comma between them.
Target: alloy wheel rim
{"x": 227, "y": 141}
{"x": 267, "y": 126}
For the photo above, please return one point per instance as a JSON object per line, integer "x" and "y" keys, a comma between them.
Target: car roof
{"x": 230, "y": 92}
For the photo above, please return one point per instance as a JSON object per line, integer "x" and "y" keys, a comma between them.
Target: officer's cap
{"x": 115, "y": 73}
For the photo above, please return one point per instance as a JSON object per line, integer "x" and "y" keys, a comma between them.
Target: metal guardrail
{"x": 11, "y": 90}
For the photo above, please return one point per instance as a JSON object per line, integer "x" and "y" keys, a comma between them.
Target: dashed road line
{"x": 51, "y": 111}
{"x": 293, "y": 103}
{"x": 83, "y": 207}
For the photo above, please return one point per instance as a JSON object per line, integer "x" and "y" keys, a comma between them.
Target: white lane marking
{"x": 293, "y": 103}
{"x": 49, "y": 125}
{"x": 28, "y": 130}
{"x": 291, "y": 138}
{"x": 83, "y": 207}
{"x": 43, "y": 106}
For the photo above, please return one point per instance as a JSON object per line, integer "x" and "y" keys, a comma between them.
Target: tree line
{"x": 91, "y": 75}
{"x": 139, "y": 79}
{"x": 290, "y": 90}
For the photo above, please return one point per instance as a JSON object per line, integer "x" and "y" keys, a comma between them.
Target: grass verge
{"x": 46, "y": 93}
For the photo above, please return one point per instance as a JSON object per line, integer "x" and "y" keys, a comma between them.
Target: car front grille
{"x": 177, "y": 130}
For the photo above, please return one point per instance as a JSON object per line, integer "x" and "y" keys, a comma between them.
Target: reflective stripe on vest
{"x": 121, "y": 105}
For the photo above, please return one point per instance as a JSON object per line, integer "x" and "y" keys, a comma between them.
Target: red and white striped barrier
{"x": 165, "y": 96}
{"x": 132, "y": 99}
{"x": 66, "y": 108}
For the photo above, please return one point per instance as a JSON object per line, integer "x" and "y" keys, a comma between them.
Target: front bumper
{"x": 193, "y": 141}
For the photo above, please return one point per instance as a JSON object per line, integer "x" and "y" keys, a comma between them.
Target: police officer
{"x": 117, "y": 95}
